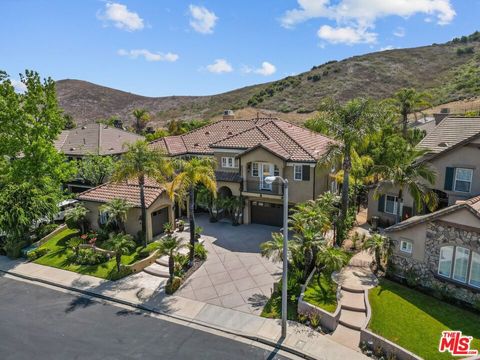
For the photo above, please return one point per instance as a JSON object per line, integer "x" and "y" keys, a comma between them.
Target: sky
{"x": 202, "y": 47}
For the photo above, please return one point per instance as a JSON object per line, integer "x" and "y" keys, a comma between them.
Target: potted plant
{"x": 181, "y": 225}
{"x": 198, "y": 232}
{"x": 168, "y": 228}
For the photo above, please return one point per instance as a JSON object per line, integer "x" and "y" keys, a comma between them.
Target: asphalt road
{"x": 40, "y": 323}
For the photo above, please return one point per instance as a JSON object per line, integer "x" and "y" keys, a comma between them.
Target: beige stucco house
{"x": 248, "y": 151}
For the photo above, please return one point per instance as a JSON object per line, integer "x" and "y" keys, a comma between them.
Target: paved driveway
{"x": 235, "y": 275}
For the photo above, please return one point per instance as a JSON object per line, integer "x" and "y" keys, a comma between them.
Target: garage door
{"x": 159, "y": 218}
{"x": 266, "y": 213}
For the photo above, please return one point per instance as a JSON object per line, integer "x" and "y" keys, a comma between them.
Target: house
{"x": 454, "y": 153}
{"x": 441, "y": 248}
{"x": 92, "y": 139}
{"x": 248, "y": 151}
{"x": 159, "y": 206}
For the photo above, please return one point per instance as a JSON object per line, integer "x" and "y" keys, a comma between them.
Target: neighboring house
{"x": 247, "y": 151}
{"x": 159, "y": 206}
{"x": 92, "y": 139}
{"x": 454, "y": 154}
{"x": 441, "y": 248}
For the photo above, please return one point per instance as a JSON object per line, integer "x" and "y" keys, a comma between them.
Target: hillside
{"x": 446, "y": 70}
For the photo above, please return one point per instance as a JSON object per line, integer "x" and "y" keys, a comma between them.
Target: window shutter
{"x": 449, "y": 173}
{"x": 381, "y": 204}
{"x": 306, "y": 173}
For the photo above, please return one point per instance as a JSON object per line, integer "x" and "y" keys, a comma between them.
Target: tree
{"x": 74, "y": 244}
{"x": 76, "y": 218}
{"x": 169, "y": 246}
{"x": 138, "y": 163}
{"x": 116, "y": 211}
{"x": 407, "y": 101}
{"x": 328, "y": 260}
{"x": 410, "y": 173}
{"x": 307, "y": 244}
{"x": 96, "y": 169}
{"x": 348, "y": 124}
{"x": 120, "y": 244}
{"x": 380, "y": 246}
{"x": 273, "y": 249}
{"x": 141, "y": 119}
{"x": 209, "y": 200}
{"x": 69, "y": 122}
{"x": 190, "y": 174}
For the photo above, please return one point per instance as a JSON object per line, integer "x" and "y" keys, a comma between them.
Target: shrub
{"x": 465, "y": 50}
{"x": 412, "y": 277}
{"x": 37, "y": 253}
{"x": 181, "y": 262}
{"x": 44, "y": 230}
{"x": 314, "y": 318}
{"x": 168, "y": 228}
{"x": 89, "y": 257}
{"x": 476, "y": 303}
{"x": 200, "y": 251}
{"x": 198, "y": 231}
{"x": 173, "y": 285}
{"x": 13, "y": 247}
{"x": 124, "y": 271}
{"x": 143, "y": 253}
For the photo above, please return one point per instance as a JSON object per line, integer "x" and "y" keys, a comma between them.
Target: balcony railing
{"x": 257, "y": 186}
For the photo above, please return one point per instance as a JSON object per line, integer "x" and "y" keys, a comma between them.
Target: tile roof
{"x": 291, "y": 142}
{"x": 95, "y": 139}
{"x": 228, "y": 176}
{"x": 127, "y": 190}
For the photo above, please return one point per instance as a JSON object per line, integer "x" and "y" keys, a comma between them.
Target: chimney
{"x": 444, "y": 112}
{"x": 118, "y": 123}
{"x": 228, "y": 115}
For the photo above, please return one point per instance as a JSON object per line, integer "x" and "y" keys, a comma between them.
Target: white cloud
{"x": 121, "y": 17}
{"x": 266, "y": 69}
{"x": 388, "y": 47}
{"x": 399, "y": 32}
{"x": 220, "y": 66}
{"x": 19, "y": 86}
{"x": 148, "y": 55}
{"x": 346, "y": 35}
{"x": 203, "y": 20}
{"x": 360, "y": 16}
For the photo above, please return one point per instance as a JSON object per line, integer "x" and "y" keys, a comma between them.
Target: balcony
{"x": 260, "y": 187}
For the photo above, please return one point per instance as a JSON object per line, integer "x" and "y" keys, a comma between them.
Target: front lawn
{"x": 273, "y": 308}
{"x": 58, "y": 252}
{"x": 415, "y": 321}
{"x": 324, "y": 297}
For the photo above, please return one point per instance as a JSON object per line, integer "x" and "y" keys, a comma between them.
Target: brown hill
{"x": 441, "y": 69}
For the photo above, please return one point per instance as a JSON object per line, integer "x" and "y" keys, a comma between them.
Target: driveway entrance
{"x": 235, "y": 275}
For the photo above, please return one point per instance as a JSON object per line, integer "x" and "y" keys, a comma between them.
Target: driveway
{"x": 235, "y": 275}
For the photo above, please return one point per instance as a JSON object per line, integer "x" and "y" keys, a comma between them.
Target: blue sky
{"x": 175, "y": 47}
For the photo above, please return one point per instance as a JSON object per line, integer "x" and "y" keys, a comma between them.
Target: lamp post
{"x": 270, "y": 180}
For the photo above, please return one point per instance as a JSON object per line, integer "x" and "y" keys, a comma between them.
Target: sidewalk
{"x": 147, "y": 292}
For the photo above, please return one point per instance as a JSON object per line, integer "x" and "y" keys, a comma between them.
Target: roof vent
{"x": 84, "y": 127}
{"x": 196, "y": 144}
{"x": 228, "y": 115}
{"x": 72, "y": 148}
{"x": 229, "y": 133}
{"x": 207, "y": 132}
{"x": 443, "y": 144}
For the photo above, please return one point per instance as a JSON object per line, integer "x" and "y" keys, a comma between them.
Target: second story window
{"x": 298, "y": 172}
{"x": 406, "y": 246}
{"x": 255, "y": 169}
{"x": 391, "y": 204}
{"x": 229, "y": 162}
{"x": 463, "y": 179}
{"x": 276, "y": 171}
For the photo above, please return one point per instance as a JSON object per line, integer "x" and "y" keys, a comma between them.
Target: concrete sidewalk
{"x": 148, "y": 292}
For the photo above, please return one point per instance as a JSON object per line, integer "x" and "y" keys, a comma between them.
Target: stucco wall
{"x": 299, "y": 190}
{"x": 218, "y": 158}
{"x": 373, "y": 204}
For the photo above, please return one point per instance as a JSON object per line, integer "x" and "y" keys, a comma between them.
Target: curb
{"x": 258, "y": 339}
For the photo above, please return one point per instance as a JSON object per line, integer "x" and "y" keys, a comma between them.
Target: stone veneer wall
{"x": 441, "y": 234}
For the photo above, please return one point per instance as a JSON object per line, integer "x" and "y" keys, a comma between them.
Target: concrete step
{"x": 157, "y": 270}
{"x": 352, "y": 301}
{"x": 162, "y": 260}
{"x": 352, "y": 289}
{"x": 352, "y": 319}
{"x": 347, "y": 337}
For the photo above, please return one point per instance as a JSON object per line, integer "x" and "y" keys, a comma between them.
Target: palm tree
{"x": 409, "y": 172}
{"x": 328, "y": 260}
{"x": 380, "y": 246}
{"x": 116, "y": 211}
{"x": 169, "y": 246}
{"x": 191, "y": 173}
{"x": 74, "y": 244}
{"x": 141, "y": 119}
{"x": 76, "y": 217}
{"x": 141, "y": 162}
{"x": 407, "y": 101}
{"x": 273, "y": 249}
{"x": 120, "y": 244}
{"x": 307, "y": 245}
{"x": 348, "y": 124}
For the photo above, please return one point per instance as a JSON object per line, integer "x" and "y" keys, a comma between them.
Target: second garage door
{"x": 266, "y": 213}
{"x": 159, "y": 218}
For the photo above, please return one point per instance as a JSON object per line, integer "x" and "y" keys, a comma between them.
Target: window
{"x": 475, "y": 270}
{"x": 463, "y": 179}
{"x": 391, "y": 204}
{"x": 461, "y": 264}
{"x": 229, "y": 162}
{"x": 276, "y": 171}
{"x": 103, "y": 218}
{"x": 406, "y": 246}
{"x": 298, "y": 172}
{"x": 255, "y": 169}
{"x": 445, "y": 261}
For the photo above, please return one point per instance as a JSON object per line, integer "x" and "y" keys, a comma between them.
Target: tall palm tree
{"x": 191, "y": 173}
{"x": 116, "y": 211}
{"x": 410, "y": 173}
{"x": 407, "y": 101}
{"x": 141, "y": 162}
{"x": 381, "y": 248}
{"x": 141, "y": 119}
{"x": 307, "y": 244}
{"x": 76, "y": 217}
{"x": 348, "y": 124}
{"x": 120, "y": 244}
{"x": 169, "y": 246}
{"x": 273, "y": 248}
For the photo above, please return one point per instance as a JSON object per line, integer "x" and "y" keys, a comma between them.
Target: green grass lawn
{"x": 57, "y": 257}
{"x": 325, "y": 299}
{"x": 273, "y": 308}
{"x": 416, "y": 321}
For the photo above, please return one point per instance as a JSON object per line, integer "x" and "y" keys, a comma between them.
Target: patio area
{"x": 235, "y": 275}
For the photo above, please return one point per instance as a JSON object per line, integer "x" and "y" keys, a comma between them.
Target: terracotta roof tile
{"x": 228, "y": 176}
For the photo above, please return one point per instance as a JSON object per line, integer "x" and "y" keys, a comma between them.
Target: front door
{"x": 265, "y": 171}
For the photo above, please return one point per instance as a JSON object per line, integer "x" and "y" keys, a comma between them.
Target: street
{"x": 40, "y": 323}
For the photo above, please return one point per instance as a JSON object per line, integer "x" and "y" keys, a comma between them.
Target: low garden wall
{"x": 49, "y": 236}
{"x": 142, "y": 264}
{"x": 374, "y": 341}
{"x": 327, "y": 320}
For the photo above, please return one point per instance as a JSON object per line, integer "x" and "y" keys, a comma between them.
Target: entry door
{"x": 265, "y": 171}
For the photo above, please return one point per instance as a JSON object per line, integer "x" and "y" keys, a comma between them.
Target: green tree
{"x": 116, "y": 211}
{"x": 139, "y": 163}
{"x": 120, "y": 244}
{"x": 158, "y": 134}
{"x": 74, "y": 244}
{"x": 208, "y": 200}
{"x": 76, "y": 218}
{"x": 69, "y": 122}
{"x": 328, "y": 260}
{"x": 408, "y": 101}
{"x": 381, "y": 248}
{"x": 273, "y": 248}
{"x": 96, "y": 169}
{"x": 190, "y": 174}
{"x": 142, "y": 117}
{"x": 169, "y": 246}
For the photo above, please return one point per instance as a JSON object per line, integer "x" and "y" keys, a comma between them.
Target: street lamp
{"x": 270, "y": 180}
